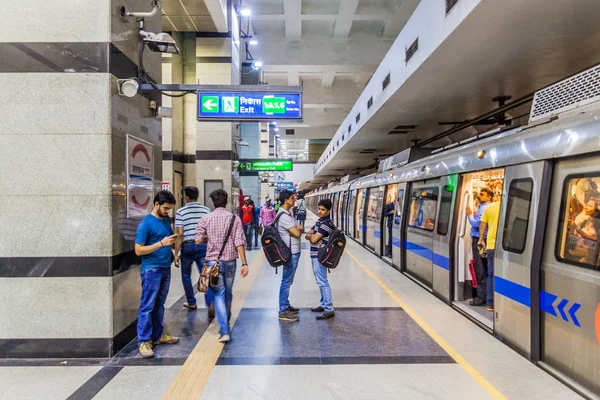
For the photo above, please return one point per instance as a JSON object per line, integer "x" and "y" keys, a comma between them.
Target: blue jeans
{"x": 287, "y": 278}
{"x": 321, "y": 277}
{"x": 489, "y": 282}
{"x": 248, "y": 233}
{"x": 223, "y": 293}
{"x": 155, "y": 288}
{"x": 255, "y": 230}
{"x": 190, "y": 253}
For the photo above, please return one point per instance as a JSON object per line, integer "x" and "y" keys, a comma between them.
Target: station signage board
{"x": 249, "y": 106}
{"x": 285, "y": 185}
{"x": 265, "y": 165}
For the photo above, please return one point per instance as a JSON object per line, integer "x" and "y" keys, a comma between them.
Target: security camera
{"x": 235, "y": 164}
{"x": 160, "y": 111}
{"x": 160, "y": 42}
{"x": 127, "y": 87}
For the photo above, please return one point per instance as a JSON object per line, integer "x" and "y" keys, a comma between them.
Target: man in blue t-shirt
{"x": 318, "y": 237}
{"x": 153, "y": 242}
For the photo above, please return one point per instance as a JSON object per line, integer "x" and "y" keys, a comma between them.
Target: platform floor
{"x": 390, "y": 339}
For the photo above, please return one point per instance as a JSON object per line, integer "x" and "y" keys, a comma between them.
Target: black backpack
{"x": 329, "y": 256}
{"x": 276, "y": 250}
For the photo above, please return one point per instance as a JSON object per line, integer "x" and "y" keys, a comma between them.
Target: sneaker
{"x": 287, "y": 315}
{"x": 326, "y": 315}
{"x": 489, "y": 308}
{"x": 477, "y": 303}
{"x": 211, "y": 311}
{"x": 293, "y": 309}
{"x": 166, "y": 339}
{"x": 317, "y": 309}
{"x": 146, "y": 350}
{"x": 224, "y": 338}
{"x": 191, "y": 307}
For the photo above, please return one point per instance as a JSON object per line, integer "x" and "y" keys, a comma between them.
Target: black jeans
{"x": 480, "y": 270}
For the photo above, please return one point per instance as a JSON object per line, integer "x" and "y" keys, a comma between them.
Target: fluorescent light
{"x": 258, "y": 64}
{"x": 253, "y": 42}
{"x": 245, "y": 12}
{"x": 274, "y": 122}
{"x": 276, "y": 129}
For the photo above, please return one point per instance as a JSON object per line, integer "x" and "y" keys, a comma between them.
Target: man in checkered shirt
{"x": 212, "y": 230}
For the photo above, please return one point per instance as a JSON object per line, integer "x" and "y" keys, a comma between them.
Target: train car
{"x": 544, "y": 183}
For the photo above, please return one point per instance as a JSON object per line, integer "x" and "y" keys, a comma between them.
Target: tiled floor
{"x": 372, "y": 349}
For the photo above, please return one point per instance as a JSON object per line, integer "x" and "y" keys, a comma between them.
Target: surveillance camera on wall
{"x": 235, "y": 164}
{"x": 127, "y": 87}
{"x": 160, "y": 42}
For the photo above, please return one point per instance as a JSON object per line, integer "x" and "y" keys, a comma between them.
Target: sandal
{"x": 186, "y": 305}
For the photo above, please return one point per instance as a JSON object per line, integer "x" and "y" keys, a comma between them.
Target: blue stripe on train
{"x": 437, "y": 259}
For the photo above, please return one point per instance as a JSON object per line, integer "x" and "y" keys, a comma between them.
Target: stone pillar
{"x": 69, "y": 280}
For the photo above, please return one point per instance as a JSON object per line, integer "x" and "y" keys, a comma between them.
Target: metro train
{"x": 546, "y": 283}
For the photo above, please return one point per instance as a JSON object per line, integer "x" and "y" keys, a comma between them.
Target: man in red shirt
{"x": 247, "y": 219}
{"x": 212, "y": 230}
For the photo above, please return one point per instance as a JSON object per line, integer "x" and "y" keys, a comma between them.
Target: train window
{"x": 444, "y": 219}
{"x": 579, "y": 223}
{"x": 516, "y": 222}
{"x": 399, "y": 206}
{"x": 423, "y": 205}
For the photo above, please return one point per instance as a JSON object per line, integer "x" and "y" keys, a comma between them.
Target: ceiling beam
{"x": 328, "y": 78}
{"x": 218, "y": 14}
{"x": 343, "y": 23}
{"x": 293, "y": 23}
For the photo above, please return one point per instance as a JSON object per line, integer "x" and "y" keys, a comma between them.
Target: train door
{"x": 570, "y": 275}
{"x": 373, "y": 230}
{"x": 342, "y": 211}
{"x": 442, "y": 237}
{"x": 334, "y": 209}
{"x": 358, "y": 215}
{"x": 466, "y": 263}
{"x": 419, "y": 230}
{"x": 397, "y": 233}
{"x": 387, "y": 222}
{"x": 350, "y": 214}
{"x": 514, "y": 251}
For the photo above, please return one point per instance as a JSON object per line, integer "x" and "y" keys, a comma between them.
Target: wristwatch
{"x": 245, "y": 265}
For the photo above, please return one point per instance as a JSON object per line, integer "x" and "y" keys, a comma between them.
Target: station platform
{"x": 390, "y": 339}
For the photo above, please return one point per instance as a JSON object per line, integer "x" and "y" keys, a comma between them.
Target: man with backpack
{"x": 290, "y": 234}
{"x": 318, "y": 236}
{"x": 301, "y": 216}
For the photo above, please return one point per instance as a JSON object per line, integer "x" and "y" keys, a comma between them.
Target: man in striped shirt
{"x": 186, "y": 221}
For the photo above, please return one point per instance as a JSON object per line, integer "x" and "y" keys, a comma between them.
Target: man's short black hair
{"x": 251, "y": 202}
{"x": 164, "y": 196}
{"x": 219, "y": 198}
{"x": 300, "y": 195}
{"x": 191, "y": 192}
{"x": 284, "y": 195}
{"x": 325, "y": 203}
{"x": 489, "y": 191}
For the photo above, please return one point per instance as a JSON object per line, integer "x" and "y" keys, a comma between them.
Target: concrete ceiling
{"x": 331, "y": 48}
{"x": 194, "y": 15}
{"x": 501, "y": 48}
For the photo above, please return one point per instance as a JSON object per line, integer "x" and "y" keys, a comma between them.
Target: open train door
{"x": 397, "y": 232}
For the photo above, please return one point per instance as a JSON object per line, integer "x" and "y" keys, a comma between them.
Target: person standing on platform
{"x": 485, "y": 196}
{"x": 301, "y": 210}
{"x": 318, "y": 237}
{"x": 212, "y": 230}
{"x": 489, "y": 221}
{"x": 153, "y": 241}
{"x": 290, "y": 234}
{"x": 267, "y": 214}
{"x": 255, "y": 221}
{"x": 247, "y": 218}
{"x": 389, "y": 213}
{"x": 186, "y": 221}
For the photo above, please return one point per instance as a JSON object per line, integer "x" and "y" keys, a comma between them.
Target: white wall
{"x": 301, "y": 172}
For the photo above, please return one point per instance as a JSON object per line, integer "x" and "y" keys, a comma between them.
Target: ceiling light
{"x": 253, "y": 42}
{"x": 258, "y": 64}
{"x": 160, "y": 42}
{"x": 245, "y": 12}
{"x": 274, "y": 122}
{"x": 276, "y": 129}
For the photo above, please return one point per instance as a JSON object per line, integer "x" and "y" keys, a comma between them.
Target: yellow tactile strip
{"x": 193, "y": 375}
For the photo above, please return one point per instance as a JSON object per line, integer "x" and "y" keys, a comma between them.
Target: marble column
{"x": 69, "y": 281}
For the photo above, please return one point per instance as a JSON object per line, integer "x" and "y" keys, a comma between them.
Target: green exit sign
{"x": 274, "y": 105}
{"x": 265, "y": 165}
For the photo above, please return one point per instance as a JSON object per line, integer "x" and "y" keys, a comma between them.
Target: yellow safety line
{"x": 434, "y": 335}
{"x": 191, "y": 379}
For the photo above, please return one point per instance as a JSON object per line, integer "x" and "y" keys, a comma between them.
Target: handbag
{"x": 260, "y": 229}
{"x": 209, "y": 276}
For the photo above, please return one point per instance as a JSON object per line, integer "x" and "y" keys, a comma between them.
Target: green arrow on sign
{"x": 210, "y": 104}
